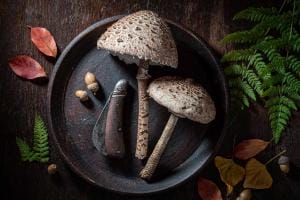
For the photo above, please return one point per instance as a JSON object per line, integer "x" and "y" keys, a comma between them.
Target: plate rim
{"x": 83, "y": 175}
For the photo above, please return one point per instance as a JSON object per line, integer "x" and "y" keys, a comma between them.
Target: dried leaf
{"x": 26, "y": 67}
{"x": 208, "y": 190}
{"x": 229, "y": 189}
{"x": 230, "y": 172}
{"x": 249, "y": 148}
{"x": 44, "y": 41}
{"x": 257, "y": 175}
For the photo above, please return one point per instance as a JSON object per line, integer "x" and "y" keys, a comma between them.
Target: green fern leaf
{"x": 40, "y": 149}
{"x": 293, "y": 64}
{"x": 268, "y": 66}
{"x": 272, "y": 81}
{"x": 256, "y": 14}
{"x": 279, "y": 116}
{"x": 248, "y": 74}
{"x": 25, "y": 150}
{"x": 237, "y": 55}
{"x": 292, "y": 81}
{"x": 245, "y": 101}
{"x": 281, "y": 100}
{"x": 40, "y": 140}
{"x": 248, "y": 90}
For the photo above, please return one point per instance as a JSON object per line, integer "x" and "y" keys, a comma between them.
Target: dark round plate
{"x": 71, "y": 123}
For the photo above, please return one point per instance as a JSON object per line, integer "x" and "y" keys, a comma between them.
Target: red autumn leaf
{"x": 208, "y": 190}
{"x": 44, "y": 41}
{"x": 26, "y": 67}
{"x": 249, "y": 148}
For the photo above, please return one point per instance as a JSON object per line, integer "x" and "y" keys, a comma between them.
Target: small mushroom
{"x": 91, "y": 82}
{"x": 284, "y": 164}
{"x": 52, "y": 169}
{"x": 144, "y": 39}
{"x": 82, "y": 95}
{"x": 246, "y": 194}
{"x": 184, "y": 99}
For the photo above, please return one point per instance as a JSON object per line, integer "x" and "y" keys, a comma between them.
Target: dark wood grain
{"x": 20, "y": 99}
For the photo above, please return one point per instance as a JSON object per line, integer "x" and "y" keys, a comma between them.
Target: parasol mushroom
{"x": 184, "y": 99}
{"x": 144, "y": 39}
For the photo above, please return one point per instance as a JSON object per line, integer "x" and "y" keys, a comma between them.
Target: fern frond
{"x": 40, "y": 150}
{"x": 270, "y": 43}
{"x": 25, "y": 150}
{"x": 278, "y": 63}
{"x": 247, "y": 89}
{"x": 247, "y": 74}
{"x": 272, "y": 60}
{"x": 272, "y": 81}
{"x": 242, "y": 85}
{"x": 295, "y": 41}
{"x": 292, "y": 82}
{"x": 239, "y": 98}
{"x": 281, "y": 90}
{"x": 237, "y": 55}
{"x": 279, "y": 115}
{"x": 293, "y": 64}
{"x": 256, "y": 14}
{"x": 281, "y": 100}
{"x": 40, "y": 140}
{"x": 249, "y": 36}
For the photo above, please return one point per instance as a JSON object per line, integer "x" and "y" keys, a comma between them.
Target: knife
{"x": 108, "y": 136}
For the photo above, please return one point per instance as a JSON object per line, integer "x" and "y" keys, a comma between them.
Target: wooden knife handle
{"x": 114, "y": 139}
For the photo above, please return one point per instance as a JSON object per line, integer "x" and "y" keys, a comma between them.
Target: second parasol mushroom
{"x": 144, "y": 39}
{"x": 184, "y": 99}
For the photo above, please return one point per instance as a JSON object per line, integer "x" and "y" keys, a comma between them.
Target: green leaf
{"x": 40, "y": 139}
{"x": 256, "y": 14}
{"x": 248, "y": 90}
{"x": 268, "y": 64}
{"x": 25, "y": 150}
{"x": 40, "y": 149}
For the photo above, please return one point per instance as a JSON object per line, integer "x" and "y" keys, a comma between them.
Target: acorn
{"x": 284, "y": 164}
{"x": 245, "y": 195}
{"x": 91, "y": 82}
{"x": 82, "y": 95}
{"x": 52, "y": 169}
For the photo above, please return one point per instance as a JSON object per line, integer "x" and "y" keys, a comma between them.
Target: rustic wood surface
{"x": 20, "y": 99}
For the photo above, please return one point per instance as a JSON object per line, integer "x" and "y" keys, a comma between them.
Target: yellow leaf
{"x": 257, "y": 175}
{"x": 230, "y": 172}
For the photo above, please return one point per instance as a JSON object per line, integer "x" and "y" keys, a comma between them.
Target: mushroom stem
{"x": 160, "y": 146}
{"x": 143, "y": 116}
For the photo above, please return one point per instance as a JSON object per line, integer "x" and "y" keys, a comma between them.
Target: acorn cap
{"x": 183, "y": 98}
{"x": 141, "y": 36}
{"x": 283, "y": 160}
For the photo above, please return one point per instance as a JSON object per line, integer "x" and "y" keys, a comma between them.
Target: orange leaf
{"x": 257, "y": 175}
{"x": 249, "y": 148}
{"x": 208, "y": 190}
{"x": 44, "y": 41}
{"x": 26, "y": 67}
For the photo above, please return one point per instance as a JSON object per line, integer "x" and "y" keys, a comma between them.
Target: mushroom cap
{"x": 141, "y": 36}
{"x": 183, "y": 98}
{"x": 283, "y": 160}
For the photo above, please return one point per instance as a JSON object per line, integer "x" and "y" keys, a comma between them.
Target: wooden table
{"x": 20, "y": 99}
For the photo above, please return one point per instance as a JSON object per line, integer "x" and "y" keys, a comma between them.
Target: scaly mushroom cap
{"x": 183, "y": 98}
{"x": 141, "y": 35}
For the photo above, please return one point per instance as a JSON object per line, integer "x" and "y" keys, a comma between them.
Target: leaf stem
{"x": 279, "y": 154}
{"x": 282, "y": 6}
